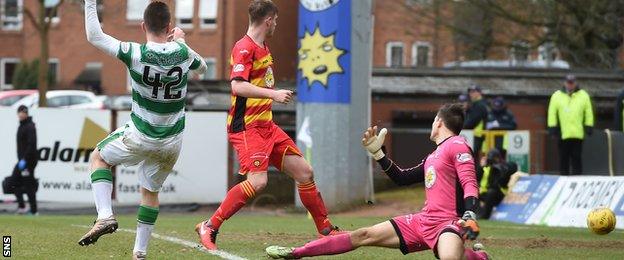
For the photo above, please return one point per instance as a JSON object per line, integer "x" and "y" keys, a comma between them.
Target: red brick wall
{"x": 394, "y": 22}
{"x": 68, "y": 42}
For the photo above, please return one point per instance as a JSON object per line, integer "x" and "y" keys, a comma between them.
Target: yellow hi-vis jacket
{"x": 571, "y": 113}
{"x": 484, "y": 185}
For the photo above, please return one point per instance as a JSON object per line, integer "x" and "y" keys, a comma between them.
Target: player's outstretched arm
{"x": 95, "y": 35}
{"x": 373, "y": 143}
{"x": 465, "y": 167}
{"x": 202, "y": 67}
{"x": 198, "y": 66}
{"x": 248, "y": 90}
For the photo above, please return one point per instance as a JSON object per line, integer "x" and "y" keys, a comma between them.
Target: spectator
{"x": 570, "y": 117}
{"x": 493, "y": 181}
{"x": 619, "y": 112}
{"x": 464, "y": 100}
{"x": 24, "y": 171}
{"x": 476, "y": 117}
{"x": 500, "y": 118}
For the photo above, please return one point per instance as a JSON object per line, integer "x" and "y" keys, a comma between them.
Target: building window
{"x": 11, "y": 14}
{"x": 135, "y": 9}
{"x": 184, "y": 13}
{"x": 51, "y": 11}
{"x": 208, "y": 13}
{"x": 7, "y": 68}
{"x": 421, "y": 54}
{"x": 394, "y": 54}
{"x": 519, "y": 51}
{"x": 54, "y": 70}
{"x": 211, "y": 71}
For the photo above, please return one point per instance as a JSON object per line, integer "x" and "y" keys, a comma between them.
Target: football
{"x": 601, "y": 220}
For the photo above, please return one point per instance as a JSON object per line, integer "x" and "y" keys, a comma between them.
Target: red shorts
{"x": 260, "y": 146}
{"x": 418, "y": 232}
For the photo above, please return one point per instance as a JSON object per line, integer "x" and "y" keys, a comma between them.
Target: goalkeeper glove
{"x": 470, "y": 225}
{"x": 373, "y": 142}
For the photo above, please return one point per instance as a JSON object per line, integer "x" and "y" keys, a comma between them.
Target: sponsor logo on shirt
{"x": 238, "y": 68}
{"x": 464, "y": 157}
{"x": 430, "y": 177}
{"x": 243, "y": 51}
{"x": 269, "y": 80}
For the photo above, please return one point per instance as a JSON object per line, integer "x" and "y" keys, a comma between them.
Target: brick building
{"x": 401, "y": 38}
{"x": 404, "y": 49}
{"x": 211, "y": 26}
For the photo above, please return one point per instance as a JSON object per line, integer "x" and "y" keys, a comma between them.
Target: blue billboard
{"x": 324, "y": 59}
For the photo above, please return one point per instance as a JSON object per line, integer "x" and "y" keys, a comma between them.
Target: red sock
{"x": 474, "y": 255}
{"x": 330, "y": 245}
{"x": 234, "y": 200}
{"x": 311, "y": 199}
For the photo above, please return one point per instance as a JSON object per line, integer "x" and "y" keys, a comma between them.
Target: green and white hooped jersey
{"x": 159, "y": 73}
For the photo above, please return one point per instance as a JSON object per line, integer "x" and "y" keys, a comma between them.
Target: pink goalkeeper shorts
{"x": 418, "y": 232}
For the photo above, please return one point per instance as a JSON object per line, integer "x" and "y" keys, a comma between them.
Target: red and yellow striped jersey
{"x": 251, "y": 63}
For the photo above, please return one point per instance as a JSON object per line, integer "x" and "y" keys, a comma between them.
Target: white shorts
{"x": 156, "y": 157}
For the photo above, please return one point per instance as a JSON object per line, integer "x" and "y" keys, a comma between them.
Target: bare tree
{"x": 42, "y": 23}
{"x": 587, "y": 33}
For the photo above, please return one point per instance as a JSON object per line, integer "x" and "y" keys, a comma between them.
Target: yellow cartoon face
{"x": 318, "y": 57}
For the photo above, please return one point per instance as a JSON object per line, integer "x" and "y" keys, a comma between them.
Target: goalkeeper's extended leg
{"x": 451, "y": 246}
{"x": 102, "y": 186}
{"x": 382, "y": 234}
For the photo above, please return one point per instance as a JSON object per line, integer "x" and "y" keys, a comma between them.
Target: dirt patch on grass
{"x": 547, "y": 242}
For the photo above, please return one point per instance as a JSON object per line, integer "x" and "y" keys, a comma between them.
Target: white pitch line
{"x": 186, "y": 243}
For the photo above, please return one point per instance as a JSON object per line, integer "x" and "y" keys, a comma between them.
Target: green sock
{"x": 102, "y": 187}
{"x": 146, "y": 218}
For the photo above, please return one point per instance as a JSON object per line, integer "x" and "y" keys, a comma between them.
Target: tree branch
{"x": 32, "y": 19}
{"x": 501, "y": 12}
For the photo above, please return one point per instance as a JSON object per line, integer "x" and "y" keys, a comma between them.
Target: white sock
{"x": 144, "y": 232}
{"x": 102, "y": 192}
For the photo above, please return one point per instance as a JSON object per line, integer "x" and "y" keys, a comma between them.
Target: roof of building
{"x": 509, "y": 82}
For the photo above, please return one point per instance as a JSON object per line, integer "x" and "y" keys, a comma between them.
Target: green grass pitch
{"x": 246, "y": 235}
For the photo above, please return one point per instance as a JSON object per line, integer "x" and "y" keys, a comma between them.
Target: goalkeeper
{"x": 448, "y": 217}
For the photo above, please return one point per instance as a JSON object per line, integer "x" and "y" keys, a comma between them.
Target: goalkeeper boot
{"x": 139, "y": 255}
{"x": 278, "y": 252}
{"x": 100, "y": 227}
{"x": 207, "y": 235}
{"x": 331, "y": 231}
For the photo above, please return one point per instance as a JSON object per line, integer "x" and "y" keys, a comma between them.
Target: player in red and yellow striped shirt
{"x": 258, "y": 141}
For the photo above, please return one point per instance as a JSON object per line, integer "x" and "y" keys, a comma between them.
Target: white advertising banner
{"x": 65, "y": 140}
{"x": 571, "y": 198}
{"x": 200, "y": 174}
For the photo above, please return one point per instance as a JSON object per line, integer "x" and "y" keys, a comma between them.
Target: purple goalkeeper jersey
{"x": 449, "y": 172}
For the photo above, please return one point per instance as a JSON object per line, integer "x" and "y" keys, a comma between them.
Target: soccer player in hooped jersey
{"x": 446, "y": 220}
{"x": 153, "y": 136}
{"x": 258, "y": 141}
